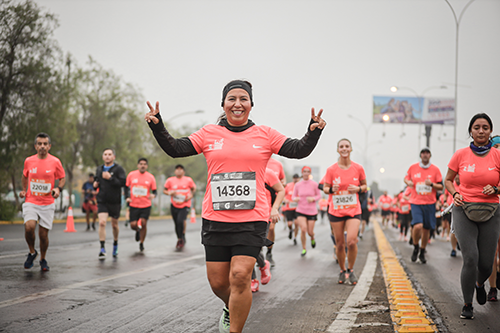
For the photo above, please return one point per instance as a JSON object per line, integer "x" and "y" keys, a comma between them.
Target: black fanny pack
{"x": 479, "y": 211}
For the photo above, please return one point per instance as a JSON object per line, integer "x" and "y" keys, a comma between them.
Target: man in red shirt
{"x": 181, "y": 190}
{"x": 38, "y": 186}
{"x": 385, "y": 202}
{"x": 140, "y": 189}
{"x": 424, "y": 179}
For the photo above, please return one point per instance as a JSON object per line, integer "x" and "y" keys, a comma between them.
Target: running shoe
{"x": 295, "y": 241}
{"x": 137, "y": 235}
{"x": 415, "y": 253}
{"x": 115, "y": 251}
{"x": 492, "y": 295}
{"x": 141, "y": 247}
{"x": 498, "y": 279}
{"x": 102, "y": 254}
{"x": 290, "y": 234}
{"x": 480, "y": 295}
{"x": 303, "y": 253}
{"x": 467, "y": 312}
{"x": 342, "y": 277}
{"x": 88, "y": 228}
{"x": 353, "y": 279}
{"x": 313, "y": 243}
{"x": 43, "y": 265}
{"x": 254, "y": 285}
{"x": 265, "y": 273}
{"x": 360, "y": 236}
{"x": 421, "y": 256}
{"x": 93, "y": 226}
{"x": 453, "y": 253}
{"x": 269, "y": 257}
{"x": 29, "y": 260}
{"x": 224, "y": 321}
{"x": 126, "y": 223}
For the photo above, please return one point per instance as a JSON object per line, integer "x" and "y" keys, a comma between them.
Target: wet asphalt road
{"x": 162, "y": 290}
{"x": 159, "y": 290}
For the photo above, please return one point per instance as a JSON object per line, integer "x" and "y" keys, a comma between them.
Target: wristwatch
{"x": 495, "y": 189}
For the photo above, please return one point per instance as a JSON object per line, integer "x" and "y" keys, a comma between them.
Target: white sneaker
{"x": 224, "y": 321}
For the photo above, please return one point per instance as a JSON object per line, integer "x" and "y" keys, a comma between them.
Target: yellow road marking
{"x": 408, "y": 313}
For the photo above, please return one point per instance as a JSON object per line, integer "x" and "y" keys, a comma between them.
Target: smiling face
{"x": 237, "y": 106}
{"x": 480, "y": 132}
{"x": 344, "y": 148}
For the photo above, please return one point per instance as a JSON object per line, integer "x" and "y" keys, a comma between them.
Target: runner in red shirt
{"x": 424, "y": 179}
{"x": 181, "y": 190}
{"x": 323, "y": 207}
{"x": 384, "y": 202}
{"x": 140, "y": 189}
{"x": 38, "y": 186}
{"x": 277, "y": 168}
{"x": 404, "y": 213}
{"x": 345, "y": 180}
{"x": 289, "y": 210}
{"x": 235, "y": 211}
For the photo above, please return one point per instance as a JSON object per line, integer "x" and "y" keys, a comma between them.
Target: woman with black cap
{"x": 235, "y": 210}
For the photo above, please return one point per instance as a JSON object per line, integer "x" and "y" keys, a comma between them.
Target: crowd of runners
{"x": 247, "y": 194}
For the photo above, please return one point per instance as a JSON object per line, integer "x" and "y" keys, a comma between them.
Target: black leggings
{"x": 478, "y": 242}
{"x": 405, "y": 222}
{"x": 179, "y": 215}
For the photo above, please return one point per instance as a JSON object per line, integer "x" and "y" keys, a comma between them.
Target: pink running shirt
{"x": 236, "y": 171}
{"x": 277, "y": 168}
{"x": 343, "y": 202}
{"x": 475, "y": 173}
{"x": 141, "y": 185}
{"x": 302, "y": 190}
{"x": 182, "y": 187}
{"x": 41, "y": 175}
{"x": 422, "y": 194}
{"x": 289, "y": 205}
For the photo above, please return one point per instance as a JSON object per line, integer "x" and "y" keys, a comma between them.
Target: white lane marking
{"x": 56, "y": 291}
{"x": 347, "y": 315}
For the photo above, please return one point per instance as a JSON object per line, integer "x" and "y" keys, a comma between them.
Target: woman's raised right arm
{"x": 181, "y": 147}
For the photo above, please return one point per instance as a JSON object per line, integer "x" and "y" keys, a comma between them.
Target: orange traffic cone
{"x": 70, "y": 223}
{"x": 193, "y": 215}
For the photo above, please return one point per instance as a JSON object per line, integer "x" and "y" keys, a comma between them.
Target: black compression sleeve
{"x": 295, "y": 148}
{"x": 181, "y": 147}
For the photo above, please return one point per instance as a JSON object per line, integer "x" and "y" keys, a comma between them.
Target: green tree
{"x": 109, "y": 117}
{"x": 29, "y": 84}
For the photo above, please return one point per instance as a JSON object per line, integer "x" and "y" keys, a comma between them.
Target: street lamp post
{"x": 419, "y": 98}
{"x": 457, "y": 27}
{"x": 183, "y": 114}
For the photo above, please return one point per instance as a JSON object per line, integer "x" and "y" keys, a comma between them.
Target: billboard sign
{"x": 413, "y": 110}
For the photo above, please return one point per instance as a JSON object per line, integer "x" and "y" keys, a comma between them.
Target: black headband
{"x": 236, "y": 84}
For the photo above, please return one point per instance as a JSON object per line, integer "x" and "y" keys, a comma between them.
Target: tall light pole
{"x": 457, "y": 27}
{"x": 419, "y": 97}
{"x": 184, "y": 114}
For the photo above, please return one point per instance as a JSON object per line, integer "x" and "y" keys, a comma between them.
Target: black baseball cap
{"x": 425, "y": 149}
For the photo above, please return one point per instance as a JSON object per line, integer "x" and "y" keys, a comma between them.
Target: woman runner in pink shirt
{"x": 306, "y": 193}
{"x": 478, "y": 167}
{"x": 345, "y": 180}
{"x": 235, "y": 211}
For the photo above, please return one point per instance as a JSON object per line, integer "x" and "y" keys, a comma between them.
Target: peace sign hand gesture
{"x": 150, "y": 116}
{"x": 318, "y": 121}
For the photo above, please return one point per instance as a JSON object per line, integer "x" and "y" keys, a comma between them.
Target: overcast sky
{"x": 330, "y": 54}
